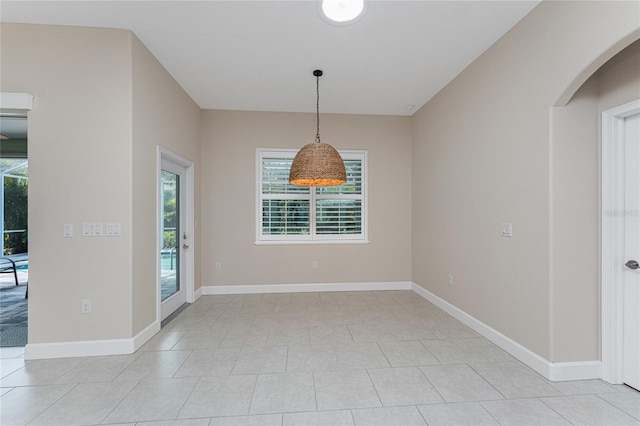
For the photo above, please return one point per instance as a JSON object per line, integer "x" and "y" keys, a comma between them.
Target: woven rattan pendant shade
{"x": 317, "y": 163}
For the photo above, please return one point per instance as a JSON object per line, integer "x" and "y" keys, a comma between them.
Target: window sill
{"x": 311, "y": 243}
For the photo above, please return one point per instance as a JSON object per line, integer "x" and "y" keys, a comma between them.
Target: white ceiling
{"x": 259, "y": 55}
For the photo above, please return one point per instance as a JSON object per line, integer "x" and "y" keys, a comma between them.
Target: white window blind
{"x": 289, "y": 214}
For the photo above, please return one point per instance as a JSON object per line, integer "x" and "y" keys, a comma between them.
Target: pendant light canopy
{"x": 317, "y": 163}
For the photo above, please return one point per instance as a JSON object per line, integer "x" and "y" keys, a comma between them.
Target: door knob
{"x": 632, "y": 264}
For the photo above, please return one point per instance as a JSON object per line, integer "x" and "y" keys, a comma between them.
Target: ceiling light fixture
{"x": 342, "y": 11}
{"x": 317, "y": 163}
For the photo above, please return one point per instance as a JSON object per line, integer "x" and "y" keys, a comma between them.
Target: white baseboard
{"x": 76, "y": 349}
{"x": 90, "y": 347}
{"x": 302, "y": 288}
{"x": 197, "y": 294}
{"x": 584, "y": 370}
{"x": 552, "y": 371}
{"x": 145, "y": 335}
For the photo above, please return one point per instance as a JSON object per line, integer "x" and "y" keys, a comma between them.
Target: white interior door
{"x": 631, "y": 290}
{"x": 173, "y": 237}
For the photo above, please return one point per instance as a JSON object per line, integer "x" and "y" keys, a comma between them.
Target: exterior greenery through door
{"x": 14, "y": 197}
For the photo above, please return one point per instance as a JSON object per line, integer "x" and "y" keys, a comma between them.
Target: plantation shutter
{"x": 294, "y": 214}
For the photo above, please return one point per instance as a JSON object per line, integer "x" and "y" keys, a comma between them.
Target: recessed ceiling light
{"x": 342, "y": 11}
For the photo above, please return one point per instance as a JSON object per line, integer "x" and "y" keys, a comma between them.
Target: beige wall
{"x": 481, "y": 156}
{"x": 102, "y": 105}
{"x": 79, "y": 171}
{"x": 576, "y": 143}
{"x": 163, "y": 114}
{"x": 575, "y": 280}
{"x": 229, "y": 142}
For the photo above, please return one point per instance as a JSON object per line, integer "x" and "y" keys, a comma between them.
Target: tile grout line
{"x": 488, "y": 412}
{"x": 187, "y": 398}
{"x": 315, "y": 393}
{"x": 553, "y": 409}
{"x": 253, "y": 394}
{"x": 597, "y": 395}
{"x": 121, "y": 400}
{"x": 432, "y": 385}
{"x": 52, "y": 404}
{"x": 487, "y": 381}
{"x": 374, "y": 388}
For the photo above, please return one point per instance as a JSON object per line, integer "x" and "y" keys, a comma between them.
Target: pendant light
{"x": 317, "y": 163}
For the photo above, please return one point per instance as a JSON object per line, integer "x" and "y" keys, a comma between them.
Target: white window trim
{"x": 16, "y": 103}
{"x": 312, "y": 239}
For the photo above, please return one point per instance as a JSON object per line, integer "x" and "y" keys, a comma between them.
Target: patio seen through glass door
{"x": 172, "y": 237}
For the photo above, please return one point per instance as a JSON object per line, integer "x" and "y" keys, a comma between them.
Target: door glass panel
{"x": 170, "y": 251}
{"x": 13, "y": 193}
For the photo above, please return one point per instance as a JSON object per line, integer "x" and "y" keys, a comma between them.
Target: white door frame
{"x": 612, "y": 233}
{"x": 190, "y": 226}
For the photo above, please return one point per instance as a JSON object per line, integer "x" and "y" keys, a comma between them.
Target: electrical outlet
{"x": 314, "y": 264}
{"x": 85, "y": 306}
{"x": 450, "y": 278}
{"x": 218, "y": 266}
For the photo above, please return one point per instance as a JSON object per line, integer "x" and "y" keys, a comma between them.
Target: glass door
{"x": 173, "y": 238}
{"x": 14, "y": 206}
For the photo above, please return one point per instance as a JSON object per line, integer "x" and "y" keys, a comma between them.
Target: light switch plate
{"x": 506, "y": 230}
{"x": 68, "y": 230}
{"x": 113, "y": 229}
{"x": 92, "y": 229}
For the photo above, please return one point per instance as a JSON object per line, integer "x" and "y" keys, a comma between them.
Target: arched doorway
{"x": 585, "y": 174}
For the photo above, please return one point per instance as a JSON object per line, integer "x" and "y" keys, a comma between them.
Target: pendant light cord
{"x": 318, "y": 108}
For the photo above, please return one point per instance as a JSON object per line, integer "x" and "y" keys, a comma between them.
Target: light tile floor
{"x": 345, "y": 358}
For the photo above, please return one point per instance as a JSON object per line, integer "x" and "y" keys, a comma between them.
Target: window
{"x": 287, "y": 214}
